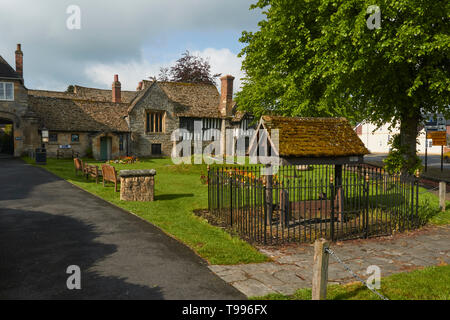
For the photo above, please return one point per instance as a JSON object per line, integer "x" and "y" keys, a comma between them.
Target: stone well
{"x": 137, "y": 185}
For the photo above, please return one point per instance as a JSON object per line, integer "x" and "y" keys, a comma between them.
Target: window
{"x": 53, "y": 137}
{"x": 75, "y": 138}
{"x": 205, "y": 123}
{"x": 6, "y": 91}
{"x": 210, "y": 124}
{"x": 155, "y": 122}
{"x": 156, "y": 149}
{"x": 121, "y": 142}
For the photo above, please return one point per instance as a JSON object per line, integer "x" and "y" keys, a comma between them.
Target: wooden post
{"x": 442, "y": 192}
{"x": 338, "y": 188}
{"x": 284, "y": 207}
{"x": 320, "y": 270}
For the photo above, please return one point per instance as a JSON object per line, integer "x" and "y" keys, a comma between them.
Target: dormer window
{"x": 7, "y": 91}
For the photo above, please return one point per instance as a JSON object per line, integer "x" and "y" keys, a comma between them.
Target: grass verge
{"x": 432, "y": 283}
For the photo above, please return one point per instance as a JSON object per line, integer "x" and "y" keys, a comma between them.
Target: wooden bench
{"x": 92, "y": 171}
{"x": 79, "y": 166}
{"x": 61, "y": 153}
{"x": 109, "y": 175}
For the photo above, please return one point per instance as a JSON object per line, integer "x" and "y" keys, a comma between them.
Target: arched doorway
{"x": 6, "y": 137}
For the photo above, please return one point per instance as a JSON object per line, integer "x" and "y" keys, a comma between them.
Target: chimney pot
{"x": 226, "y": 96}
{"x": 19, "y": 60}
{"x": 116, "y": 90}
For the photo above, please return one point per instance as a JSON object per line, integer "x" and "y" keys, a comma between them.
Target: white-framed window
{"x": 7, "y": 91}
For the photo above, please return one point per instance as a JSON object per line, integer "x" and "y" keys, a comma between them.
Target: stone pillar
{"x": 137, "y": 185}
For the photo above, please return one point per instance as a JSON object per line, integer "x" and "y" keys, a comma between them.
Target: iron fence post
{"x": 265, "y": 214}
{"x": 209, "y": 191}
{"x": 231, "y": 201}
{"x": 332, "y": 210}
{"x": 366, "y": 214}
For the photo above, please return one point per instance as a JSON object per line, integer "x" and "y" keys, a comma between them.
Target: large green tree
{"x": 325, "y": 58}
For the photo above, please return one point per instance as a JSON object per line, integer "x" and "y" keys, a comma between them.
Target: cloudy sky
{"x": 132, "y": 38}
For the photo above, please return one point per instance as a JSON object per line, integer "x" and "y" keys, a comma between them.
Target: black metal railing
{"x": 304, "y": 203}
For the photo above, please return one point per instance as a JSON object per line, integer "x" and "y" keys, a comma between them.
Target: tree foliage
{"x": 190, "y": 69}
{"x": 70, "y": 89}
{"x": 319, "y": 58}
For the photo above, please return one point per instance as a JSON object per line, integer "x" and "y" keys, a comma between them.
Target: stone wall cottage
{"x": 89, "y": 127}
{"x": 113, "y": 123}
{"x": 18, "y": 124}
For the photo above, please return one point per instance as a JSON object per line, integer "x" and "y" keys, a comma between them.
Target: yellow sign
{"x": 439, "y": 137}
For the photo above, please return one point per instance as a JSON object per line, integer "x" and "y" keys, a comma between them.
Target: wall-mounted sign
{"x": 19, "y": 138}
{"x": 67, "y": 146}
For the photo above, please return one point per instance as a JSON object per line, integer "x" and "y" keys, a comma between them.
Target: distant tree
{"x": 328, "y": 58}
{"x": 190, "y": 69}
{"x": 164, "y": 74}
{"x": 70, "y": 89}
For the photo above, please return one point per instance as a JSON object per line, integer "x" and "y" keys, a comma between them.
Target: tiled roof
{"x": 51, "y": 94}
{"x": 315, "y": 137}
{"x": 102, "y": 95}
{"x": 62, "y": 114}
{"x": 89, "y": 109}
{"x": 238, "y": 116}
{"x": 193, "y": 99}
{"x": 198, "y": 100}
{"x": 6, "y": 71}
{"x": 83, "y": 93}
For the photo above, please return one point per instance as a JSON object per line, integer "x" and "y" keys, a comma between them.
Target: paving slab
{"x": 252, "y": 288}
{"x": 292, "y": 264}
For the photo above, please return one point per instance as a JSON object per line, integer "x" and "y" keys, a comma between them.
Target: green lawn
{"x": 178, "y": 191}
{"x": 431, "y": 283}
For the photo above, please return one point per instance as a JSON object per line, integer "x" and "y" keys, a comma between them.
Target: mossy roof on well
{"x": 315, "y": 137}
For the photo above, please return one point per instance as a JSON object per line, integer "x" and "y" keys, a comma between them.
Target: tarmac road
{"x": 47, "y": 225}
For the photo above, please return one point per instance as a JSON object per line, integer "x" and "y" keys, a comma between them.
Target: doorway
{"x": 6, "y": 137}
{"x": 105, "y": 148}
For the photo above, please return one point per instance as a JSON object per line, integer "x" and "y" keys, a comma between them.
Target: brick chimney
{"x": 140, "y": 85}
{"x": 19, "y": 60}
{"x": 116, "y": 90}
{"x": 226, "y": 96}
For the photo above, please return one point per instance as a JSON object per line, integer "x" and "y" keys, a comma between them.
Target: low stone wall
{"x": 137, "y": 185}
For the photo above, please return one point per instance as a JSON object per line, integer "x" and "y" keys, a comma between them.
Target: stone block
{"x": 137, "y": 185}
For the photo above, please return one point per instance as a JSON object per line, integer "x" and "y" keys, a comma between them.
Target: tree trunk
{"x": 408, "y": 137}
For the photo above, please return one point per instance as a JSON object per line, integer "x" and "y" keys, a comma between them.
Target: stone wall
{"x": 88, "y": 142}
{"x": 65, "y": 138}
{"x": 137, "y": 185}
{"x": 154, "y": 100}
{"x": 115, "y": 150}
{"x": 26, "y": 126}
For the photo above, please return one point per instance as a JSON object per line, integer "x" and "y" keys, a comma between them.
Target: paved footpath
{"x": 47, "y": 224}
{"x": 291, "y": 268}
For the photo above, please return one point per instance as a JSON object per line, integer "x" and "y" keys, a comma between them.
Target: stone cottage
{"x": 18, "y": 123}
{"x": 107, "y": 124}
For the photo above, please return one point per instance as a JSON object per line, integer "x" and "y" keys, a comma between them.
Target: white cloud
{"x": 225, "y": 62}
{"x": 130, "y": 73}
{"x": 113, "y": 33}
